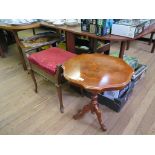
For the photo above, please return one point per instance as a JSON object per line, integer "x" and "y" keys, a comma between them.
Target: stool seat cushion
{"x": 50, "y": 58}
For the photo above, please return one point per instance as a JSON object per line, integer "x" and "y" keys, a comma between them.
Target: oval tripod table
{"x": 97, "y": 73}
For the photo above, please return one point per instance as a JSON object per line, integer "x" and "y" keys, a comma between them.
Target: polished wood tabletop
{"x": 97, "y": 72}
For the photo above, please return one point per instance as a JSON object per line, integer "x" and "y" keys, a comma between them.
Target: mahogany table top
{"x": 97, "y": 72}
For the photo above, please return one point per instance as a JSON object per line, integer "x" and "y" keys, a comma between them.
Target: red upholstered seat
{"x": 50, "y": 58}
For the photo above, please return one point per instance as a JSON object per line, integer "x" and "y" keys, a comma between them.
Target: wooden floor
{"x": 22, "y": 111}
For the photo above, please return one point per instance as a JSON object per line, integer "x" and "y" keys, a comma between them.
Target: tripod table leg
{"x": 94, "y": 108}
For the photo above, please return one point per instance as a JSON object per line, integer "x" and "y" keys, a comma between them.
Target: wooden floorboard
{"x": 22, "y": 111}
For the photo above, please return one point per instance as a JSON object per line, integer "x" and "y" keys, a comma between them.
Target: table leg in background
{"x": 122, "y": 49}
{"x": 151, "y": 38}
{"x": 93, "y": 45}
{"x": 70, "y": 42}
{"x": 107, "y": 52}
{"x": 127, "y": 45}
{"x": 153, "y": 47}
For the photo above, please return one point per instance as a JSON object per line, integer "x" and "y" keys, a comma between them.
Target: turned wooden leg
{"x": 34, "y": 80}
{"x": 59, "y": 91}
{"x": 94, "y": 108}
{"x": 82, "y": 112}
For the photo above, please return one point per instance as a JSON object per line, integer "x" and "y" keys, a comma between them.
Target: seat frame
{"x": 57, "y": 79}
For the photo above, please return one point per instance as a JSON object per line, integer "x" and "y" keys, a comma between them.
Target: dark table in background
{"x": 71, "y": 31}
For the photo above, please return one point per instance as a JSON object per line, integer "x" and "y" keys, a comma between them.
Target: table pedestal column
{"x": 93, "y": 106}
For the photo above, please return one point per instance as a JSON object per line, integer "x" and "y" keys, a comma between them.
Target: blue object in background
{"x": 108, "y": 26}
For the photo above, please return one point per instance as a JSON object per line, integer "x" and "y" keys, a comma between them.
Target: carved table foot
{"x": 99, "y": 117}
{"x": 94, "y": 108}
{"x": 81, "y": 112}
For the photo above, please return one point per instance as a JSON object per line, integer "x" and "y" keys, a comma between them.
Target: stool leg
{"x": 59, "y": 91}
{"x": 34, "y": 80}
{"x": 58, "y": 86}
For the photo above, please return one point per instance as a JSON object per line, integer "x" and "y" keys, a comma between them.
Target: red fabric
{"x": 50, "y": 58}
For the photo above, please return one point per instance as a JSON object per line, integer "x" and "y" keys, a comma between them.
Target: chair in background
{"x": 47, "y": 63}
{"x": 105, "y": 49}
